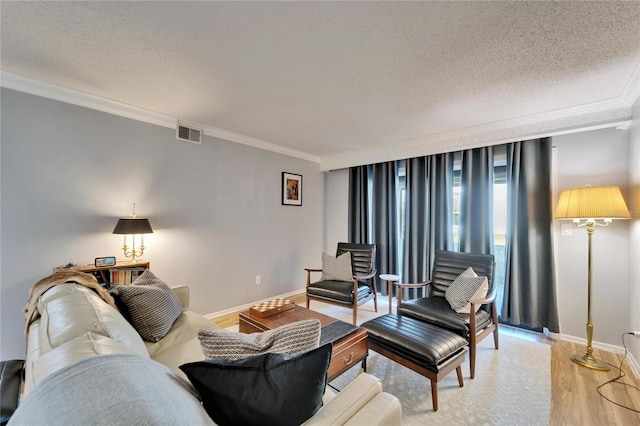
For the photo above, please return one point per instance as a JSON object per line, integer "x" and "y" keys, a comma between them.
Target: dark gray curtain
{"x": 384, "y": 218}
{"x": 529, "y": 290}
{"x": 428, "y": 216}
{"x": 476, "y": 201}
{"x": 359, "y": 205}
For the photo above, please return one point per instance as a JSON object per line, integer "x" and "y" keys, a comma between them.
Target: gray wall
{"x": 634, "y": 240}
{"x": 68, "y": 173}
{"x": 337, "y": 208}
{"x": 598, "y": 158}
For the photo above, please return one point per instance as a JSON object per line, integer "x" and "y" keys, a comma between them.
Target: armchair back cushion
{"x": 362, "y": 256}
{"x": 448, "y": 265}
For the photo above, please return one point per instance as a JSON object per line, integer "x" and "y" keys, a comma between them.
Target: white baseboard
{"x": 633, "y": 363}
{"x": 248, "y": 305}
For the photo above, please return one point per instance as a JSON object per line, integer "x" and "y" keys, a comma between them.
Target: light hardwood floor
{"x": 574, "y": 396}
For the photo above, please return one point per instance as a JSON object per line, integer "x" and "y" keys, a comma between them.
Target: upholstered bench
{"x": 424, "y": 348}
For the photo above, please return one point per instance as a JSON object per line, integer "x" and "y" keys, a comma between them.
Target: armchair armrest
{"x": 487, "y": 299}
{"x": 365, "y": 277}
{"x": 402, "y": 286}
{"x": 309, "y": 271}
{"x": 413, "y": 285}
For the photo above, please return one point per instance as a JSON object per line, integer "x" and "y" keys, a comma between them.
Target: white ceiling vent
{"x": 188, "y": 133}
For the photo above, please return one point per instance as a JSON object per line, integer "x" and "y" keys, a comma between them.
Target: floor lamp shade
{"x": 592, "y": 202}
{"x": 591, "y": 206}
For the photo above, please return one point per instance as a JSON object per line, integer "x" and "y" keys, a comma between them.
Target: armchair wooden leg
{"x": 308, "y": 300}
{"x": 375, "y": 295}
{"x": 494, "y": 318}
{"x": 355, "y": 313}
{"x": 472, "y": 357}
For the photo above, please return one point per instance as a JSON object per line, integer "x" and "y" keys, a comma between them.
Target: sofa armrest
{"x": 348, "y": 402}
{"x": 182, "y": 291}
{"x": 383, "y": 410}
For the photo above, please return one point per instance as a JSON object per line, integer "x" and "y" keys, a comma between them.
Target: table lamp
{"x": 133, "y": 226}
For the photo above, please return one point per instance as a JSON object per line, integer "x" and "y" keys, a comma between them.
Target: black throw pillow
{"x": 268, "y": 389}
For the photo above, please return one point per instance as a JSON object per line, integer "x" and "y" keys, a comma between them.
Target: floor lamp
{"x": 591, "y": 206}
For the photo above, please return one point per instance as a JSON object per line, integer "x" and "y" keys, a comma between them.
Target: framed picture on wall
{"x": 291, "y": 189}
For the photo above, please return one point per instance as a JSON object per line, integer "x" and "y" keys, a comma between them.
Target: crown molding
{"x": 631, "y": 92}
{"x": 75, "y": 97}
{"x": 570, "y": 120}
{"x": 257, "y": 143}
{"x": 614, "y": 112}
{"x": 598, "y": 115}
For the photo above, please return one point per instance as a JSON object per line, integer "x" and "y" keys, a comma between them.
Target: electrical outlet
{"x": 258, "y": 279}
{"x": 567, "y": 230}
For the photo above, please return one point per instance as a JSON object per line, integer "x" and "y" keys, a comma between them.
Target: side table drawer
{"x": 347, "y": 354}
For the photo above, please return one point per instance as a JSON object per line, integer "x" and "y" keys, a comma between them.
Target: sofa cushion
{"x": 112, "y": 390}
{"x": 152, "y": 306}
{"x": 293, "y": 338}
{"x": 266, "y": 389}
{"x": 463, "y": 288}
{"x": 181, "y": 345}
{"x": 337, "y": 268}
{"x": 70, "y": 310}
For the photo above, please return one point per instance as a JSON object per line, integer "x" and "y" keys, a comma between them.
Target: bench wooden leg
{"x": 434, "y": 395}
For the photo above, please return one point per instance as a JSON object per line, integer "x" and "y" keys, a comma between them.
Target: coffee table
{"x": 348, "y": 349}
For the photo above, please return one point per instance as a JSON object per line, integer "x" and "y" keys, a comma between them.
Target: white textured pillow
{"x": 337, "y": 268}
{"x": 294, "y": 338}
{"x": 152, "y": 305}
{"x": 468, "y": 285}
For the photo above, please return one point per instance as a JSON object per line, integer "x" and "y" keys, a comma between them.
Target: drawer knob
{"x": 349, "y": 360}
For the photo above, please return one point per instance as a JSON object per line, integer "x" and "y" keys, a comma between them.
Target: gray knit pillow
{"x": 152, "y": 305}
{"x": 463, "y": 288}
{"x": 337, "y": 268}
{"x": 294, "y": 338}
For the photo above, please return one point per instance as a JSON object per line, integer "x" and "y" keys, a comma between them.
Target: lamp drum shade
{"x": 592, "y": 202}
{"x": 133, "y": 226}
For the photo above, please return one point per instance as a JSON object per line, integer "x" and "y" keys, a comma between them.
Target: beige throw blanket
{"x": 60, "y": 277}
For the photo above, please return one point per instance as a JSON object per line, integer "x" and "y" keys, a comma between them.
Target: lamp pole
{"x": 588, "y": 360}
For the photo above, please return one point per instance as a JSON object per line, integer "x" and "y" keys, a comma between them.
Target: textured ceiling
{"x": 325, "y": 78}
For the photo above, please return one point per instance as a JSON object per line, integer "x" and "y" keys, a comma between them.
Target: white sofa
{"x": 82, "y": 349}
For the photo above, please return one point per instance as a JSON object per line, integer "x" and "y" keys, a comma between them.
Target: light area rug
{"x": 512, "y": 385}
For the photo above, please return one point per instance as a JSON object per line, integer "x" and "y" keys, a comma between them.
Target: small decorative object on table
{"x": 100, "y": 262}
{"x": 271, "y": 307}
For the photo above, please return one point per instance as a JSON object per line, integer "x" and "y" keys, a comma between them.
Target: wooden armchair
{"x": 348, "y": 293}
{"x": 436, "y": 310}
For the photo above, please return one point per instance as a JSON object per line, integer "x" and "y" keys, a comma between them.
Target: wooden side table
{"x": 390, "y": 279}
